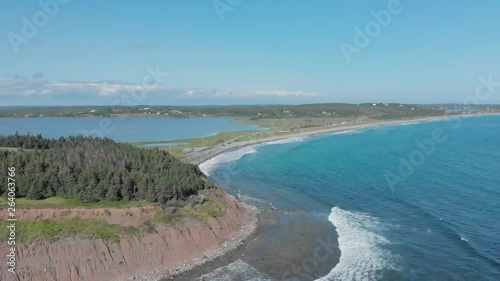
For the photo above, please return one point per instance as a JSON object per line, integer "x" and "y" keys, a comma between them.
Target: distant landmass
{"x": 376, "y": 110}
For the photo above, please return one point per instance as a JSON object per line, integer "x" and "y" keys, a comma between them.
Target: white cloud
{"x": 284, "y": 93}
{"x": 28, "y": 93}
{"x": 96, "y": 89}
{"x": 9, "y": 87}
{"x": 46, "y": 92}
{"x": 223, "y": 93}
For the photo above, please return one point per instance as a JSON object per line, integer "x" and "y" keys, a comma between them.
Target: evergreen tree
{"x": 91, "y": 169}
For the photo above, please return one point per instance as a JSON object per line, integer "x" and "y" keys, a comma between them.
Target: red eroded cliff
{"x": 147, "y": 256}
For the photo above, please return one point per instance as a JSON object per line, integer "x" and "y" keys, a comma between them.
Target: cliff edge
{"x": 164, "y": 252}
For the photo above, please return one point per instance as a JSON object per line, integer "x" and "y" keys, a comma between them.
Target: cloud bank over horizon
{"x": 33, "y": 91}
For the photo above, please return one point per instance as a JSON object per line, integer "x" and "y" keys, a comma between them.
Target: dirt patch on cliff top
{"x": 122, "y": 216}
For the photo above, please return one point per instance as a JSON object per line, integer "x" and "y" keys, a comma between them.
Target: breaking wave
{"x": 361, "y": 257}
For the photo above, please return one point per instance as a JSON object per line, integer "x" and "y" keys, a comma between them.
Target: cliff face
{"x": 148, "y": 256}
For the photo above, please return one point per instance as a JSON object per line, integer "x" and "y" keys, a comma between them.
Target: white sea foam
{"x": 287, "y": 140}
{"x": 226, "y": 157}
{"x": 249, "y": 200}
{"x": 346, "y": 132}
{"x": 411, "y": 123}
{"x": 362, "y": 256}
{"x": 238, "y": 270}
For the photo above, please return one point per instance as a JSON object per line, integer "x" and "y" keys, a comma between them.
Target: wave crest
{"x": 287, "y": 140}
{"x": 226, "y": 157}
{"x": 238, "y": 270}
{"x": 361, "y": 256}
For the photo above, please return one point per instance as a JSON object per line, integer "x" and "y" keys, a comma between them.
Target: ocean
{"x": 418, "y": 201}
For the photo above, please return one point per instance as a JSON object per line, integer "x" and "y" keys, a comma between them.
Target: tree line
{"x": 92, "y": 169}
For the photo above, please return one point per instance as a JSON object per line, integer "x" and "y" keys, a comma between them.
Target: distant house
{"x": 93, "y": 110}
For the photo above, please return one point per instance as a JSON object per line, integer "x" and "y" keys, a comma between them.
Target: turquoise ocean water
{"x": 419, "y": 201}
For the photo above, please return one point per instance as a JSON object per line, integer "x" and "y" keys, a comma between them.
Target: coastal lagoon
{"x": 418, "y": 201}
{"x": 123, "y": 129}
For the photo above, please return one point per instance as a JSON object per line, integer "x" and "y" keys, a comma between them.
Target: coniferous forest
{"x": 92, "y": 169}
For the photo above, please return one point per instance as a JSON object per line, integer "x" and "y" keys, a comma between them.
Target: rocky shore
{"x": 229, "y": 245}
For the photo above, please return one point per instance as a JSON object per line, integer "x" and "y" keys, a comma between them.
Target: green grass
{"x": 60, "y": 202}
{"x": 275, "y": 127}
{"x": 32, "y": 230}
{"x": 201, "y": 212}
{"x": 8, "y": 148}
{"x": 197, "y": 142}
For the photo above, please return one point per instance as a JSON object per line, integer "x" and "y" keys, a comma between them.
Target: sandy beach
{"x": 200, "y": 155}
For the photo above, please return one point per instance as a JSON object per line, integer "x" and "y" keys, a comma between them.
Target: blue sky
{"x": 247, "y": 51}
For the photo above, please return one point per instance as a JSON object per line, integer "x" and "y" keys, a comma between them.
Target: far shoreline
{"x": 201, "y": 156}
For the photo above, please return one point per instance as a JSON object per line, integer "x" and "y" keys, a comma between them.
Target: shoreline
{"x": 264, "y": 221}
{"x": 200, "y": 155}
{"x": 237, "y": 243}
